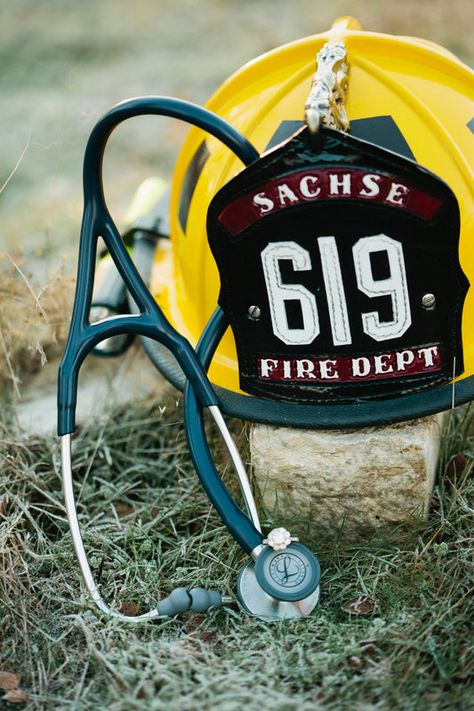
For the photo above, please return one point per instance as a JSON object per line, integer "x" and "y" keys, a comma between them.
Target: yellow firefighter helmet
{"x": 411, "y": 99}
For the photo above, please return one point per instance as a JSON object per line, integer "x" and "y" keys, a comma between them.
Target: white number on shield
{"x": 395, "y": 286}
{"x": 278, "y": 293}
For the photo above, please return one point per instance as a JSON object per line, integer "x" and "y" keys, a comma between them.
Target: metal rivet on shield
{"x": 428, "y": 301}
{"x": 254, "y": 313}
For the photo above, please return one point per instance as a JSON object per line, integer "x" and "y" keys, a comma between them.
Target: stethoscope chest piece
{"x": 259, "y": 603}
{"x": 289, "y": 574}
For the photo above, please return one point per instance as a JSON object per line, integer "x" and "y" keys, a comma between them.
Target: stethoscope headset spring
{"x": 281, "y": 579}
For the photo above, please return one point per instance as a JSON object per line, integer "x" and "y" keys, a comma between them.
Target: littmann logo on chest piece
{"x": 340, "y": 248}
{"x": 287, "y": 569}
{"x": 289, "y": 574}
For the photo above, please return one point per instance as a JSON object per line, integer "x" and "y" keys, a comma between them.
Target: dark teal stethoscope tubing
{"x": 238, "y": 524}
{"x": 97, "y": 222}
{"x": 151, "y": 322}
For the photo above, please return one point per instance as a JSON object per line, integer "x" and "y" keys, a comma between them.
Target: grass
{"x": 148, "y": 527}
{"x": 147, "y": 524}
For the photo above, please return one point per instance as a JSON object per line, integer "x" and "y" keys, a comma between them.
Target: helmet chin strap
{"x": 282, "y": 580}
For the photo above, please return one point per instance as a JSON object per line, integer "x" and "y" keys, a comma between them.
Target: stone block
{"x": 349, "y": 483}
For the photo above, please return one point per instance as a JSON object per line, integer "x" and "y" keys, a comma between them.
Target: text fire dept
{"x": 395, "y": 364}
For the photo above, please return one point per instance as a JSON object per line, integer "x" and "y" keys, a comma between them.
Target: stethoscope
{"x": 281, "y": 579}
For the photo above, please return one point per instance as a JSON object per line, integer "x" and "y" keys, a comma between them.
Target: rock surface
{"x": 104, "y": 384}
{"x": 348, "y": 482}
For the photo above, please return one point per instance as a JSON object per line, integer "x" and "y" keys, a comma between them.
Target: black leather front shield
{"x": 339, "y": 272}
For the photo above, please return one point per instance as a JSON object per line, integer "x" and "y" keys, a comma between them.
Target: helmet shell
{"x": 418, "y": 90}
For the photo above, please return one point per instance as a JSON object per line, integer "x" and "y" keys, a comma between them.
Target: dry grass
{"x": 148, "y": 527}
{"x": 33, "y": 321}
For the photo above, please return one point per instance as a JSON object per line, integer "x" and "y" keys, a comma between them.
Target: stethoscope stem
{"x": 238, "y": 466}
{"x": 180, "y": 600}
{"x": 79, "y": 544}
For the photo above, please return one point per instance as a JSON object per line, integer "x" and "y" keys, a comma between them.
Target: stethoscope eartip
{"x": 182, "y": 599}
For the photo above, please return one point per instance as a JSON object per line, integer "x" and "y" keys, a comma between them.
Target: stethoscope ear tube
{"x": 96, "y": 222}
{"x": 83, "y": 336}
